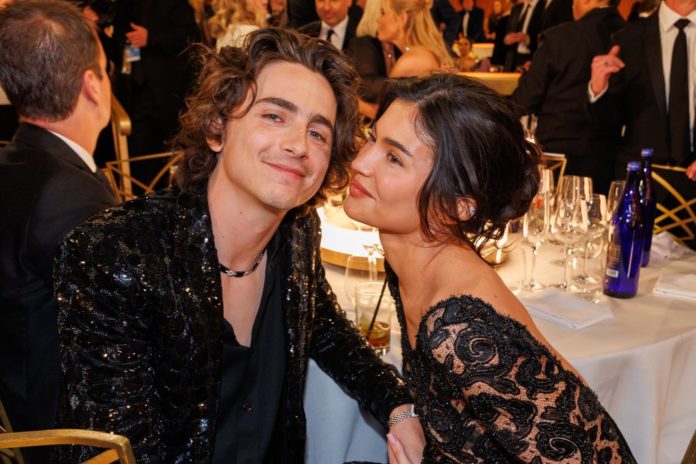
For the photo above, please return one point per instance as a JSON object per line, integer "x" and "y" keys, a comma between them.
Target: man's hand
{"x": 411, "y": 440}
{"x": 138, "y": 36}
{"x": 603, "y": 66}
{"x": 691, "y": 171}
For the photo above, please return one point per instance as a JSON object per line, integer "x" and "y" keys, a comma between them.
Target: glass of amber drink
{"x": 373, "y": 310}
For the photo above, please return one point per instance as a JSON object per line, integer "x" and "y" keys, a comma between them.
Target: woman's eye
{"x": 393, "y": 159}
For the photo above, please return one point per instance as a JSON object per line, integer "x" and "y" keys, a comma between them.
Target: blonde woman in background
{"x": 202, "y": 10}
{"x": 234, "y": 19}
{"x": 409, "y": 25}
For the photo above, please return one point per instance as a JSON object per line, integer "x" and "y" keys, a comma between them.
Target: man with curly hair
{"x": 187, "y": 317}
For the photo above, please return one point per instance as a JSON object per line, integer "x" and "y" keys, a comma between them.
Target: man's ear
{"x": 466, "y": 208}
{"x": 217, "y": 127}
{"x": 91, "y": 87}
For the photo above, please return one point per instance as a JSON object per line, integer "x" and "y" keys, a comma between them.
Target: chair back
{"x": 116, "y": 448}
{"x": 676, "y": 212}
{"x": 119, "y": 174}
{"x": 121, "y": 128}
{"x": 8, "y": 455}
{"x": 690, "y": 455}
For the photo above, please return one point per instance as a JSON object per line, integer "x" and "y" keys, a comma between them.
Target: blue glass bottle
{"x": 626, "y": 233}
{"x": 648, "y": 202}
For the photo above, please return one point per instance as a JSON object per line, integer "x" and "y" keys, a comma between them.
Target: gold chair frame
{"x": 118, "y": 173}
{"x": 117, "y": 447}
{"x": 667, "y": 220}
{"x": 8, "y": 455}
{"x": 121, "y": 128}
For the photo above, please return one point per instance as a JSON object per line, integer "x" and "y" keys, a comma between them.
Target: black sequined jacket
{"x": 140, "y": 322}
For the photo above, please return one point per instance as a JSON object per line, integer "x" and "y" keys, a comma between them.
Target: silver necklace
{"x": 230, "y": 273}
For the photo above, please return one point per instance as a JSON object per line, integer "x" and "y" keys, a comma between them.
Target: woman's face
{"x": 259, "y": 6}
{"x": 389, "y": 172}
{"x": 390, "y": 27}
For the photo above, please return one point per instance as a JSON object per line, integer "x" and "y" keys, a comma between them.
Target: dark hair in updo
{"x": 480, "y": 154}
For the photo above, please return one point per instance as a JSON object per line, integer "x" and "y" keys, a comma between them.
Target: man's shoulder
{"x": 313, "y": 29}
{"x": 634, "y": 33}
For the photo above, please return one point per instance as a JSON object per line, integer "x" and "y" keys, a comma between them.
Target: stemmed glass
{"x": 569, "y": 186}
{"x": 616, "y": 189}
{"x": 535, "y": 226}
{"x": 596, "y": 227}
{"x": 569, "y": 223}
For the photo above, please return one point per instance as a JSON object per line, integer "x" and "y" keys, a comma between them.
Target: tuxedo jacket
{"x": 164, "y": 68}
{"x": 314, "y": 29}
{"x": 555, "y": 89}
{"x": 636, "y": 96}
{"x": 474, "y": 30}
{"x": 515, "y": 23}
{"x": 45, "y": 191}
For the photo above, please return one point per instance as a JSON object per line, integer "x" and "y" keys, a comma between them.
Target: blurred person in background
{"x": 54, "y": 72}
{"x": 233, "y": 20}
{"x": 555, "y": 89}
{"x": 335, "y": 24}
{"x": 522, "y": 33}
{"x": 493, "y": 19}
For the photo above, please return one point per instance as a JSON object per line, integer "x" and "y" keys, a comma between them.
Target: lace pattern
{"x": 488, "y": 391}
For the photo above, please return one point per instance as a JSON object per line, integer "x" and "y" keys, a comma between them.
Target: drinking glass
{"x": 535, "y": 226}
{"x": 373, "y": 311}
{"x": 569, "y": 225}
{"x": 616, "y": 189}
{"x": 357, "y": 272}
{"x": 594, "y": 240}
{"x": 569, "y": 187}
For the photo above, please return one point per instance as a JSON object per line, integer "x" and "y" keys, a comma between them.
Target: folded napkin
{"x": 565, "y": 309}
{"x": 664, "y": 246}
{"x": 676, "y": 285}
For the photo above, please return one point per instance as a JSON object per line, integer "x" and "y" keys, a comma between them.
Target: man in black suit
{"x": 522, "y": 35}
{"x": 54, "y": 73}
{"x": 471, "y": 23}
{"x": 555, "y": 89}
{"x": 153, "y": 71}
{"x": 632, "y": 84}
{"x": 336, "y": 25}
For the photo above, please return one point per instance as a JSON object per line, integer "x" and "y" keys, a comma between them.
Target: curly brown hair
{"x": 227, "y": 77}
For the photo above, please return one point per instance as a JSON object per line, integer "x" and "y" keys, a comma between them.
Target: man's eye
{"x": 272, "y": 117}
{"x": 317, "y": 135}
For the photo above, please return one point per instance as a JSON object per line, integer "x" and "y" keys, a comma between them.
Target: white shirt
{"x": 527, "y": 12}
{"x": 465, "y": 23}
{"x": 81, "y": 152}
{"x": 339, "y": 32}
{"x": 668, "y": 35}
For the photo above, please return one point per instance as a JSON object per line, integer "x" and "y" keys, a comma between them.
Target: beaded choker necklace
{"x": 230, "y": 273}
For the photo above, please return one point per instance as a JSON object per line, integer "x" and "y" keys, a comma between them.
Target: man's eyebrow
{"x": 394, "y": 143}
{"x": 290, "y": 106}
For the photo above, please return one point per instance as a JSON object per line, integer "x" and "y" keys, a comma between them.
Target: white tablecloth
{"x": 642, "y": 364}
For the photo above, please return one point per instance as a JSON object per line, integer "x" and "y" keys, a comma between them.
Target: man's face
{"x": 105, "y": 84}
{"x": 275, "y": 157}
{"x": 468, "y": 4}
{"x": 332, "y": 12}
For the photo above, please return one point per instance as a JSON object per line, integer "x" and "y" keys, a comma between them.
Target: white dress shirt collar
{"x": 81, "y": 152}
{"x": 339, "y": 32}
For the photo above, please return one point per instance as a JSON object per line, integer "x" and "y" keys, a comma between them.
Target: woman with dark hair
{"x": 447, "y": 161}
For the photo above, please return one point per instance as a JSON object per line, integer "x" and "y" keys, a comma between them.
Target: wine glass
{"x": 569, "y": 225}
{"x": 569, "y": 187}
{"x": 594, "y": 241}
{"x": 616, "y": 189}
{"x": 535, "y": 226}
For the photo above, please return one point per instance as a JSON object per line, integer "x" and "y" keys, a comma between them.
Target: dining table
{"x": 641, "y": 363}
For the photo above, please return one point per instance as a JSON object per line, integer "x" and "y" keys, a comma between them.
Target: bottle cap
{"x": 633, "y": 166}
{"x": 647, "y": 152}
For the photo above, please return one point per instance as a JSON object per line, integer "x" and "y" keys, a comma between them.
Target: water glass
{"x": 373, "y": 311}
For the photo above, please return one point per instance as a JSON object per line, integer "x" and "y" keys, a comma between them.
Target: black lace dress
{"x": 488, "y": 392}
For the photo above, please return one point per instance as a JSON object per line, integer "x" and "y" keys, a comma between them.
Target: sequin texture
{"x": 140, "y": 318}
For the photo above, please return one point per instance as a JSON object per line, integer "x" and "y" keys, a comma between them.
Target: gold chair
{"x": 118, "y": 173}
{"x": 117, "y": 447}
{"x": 556, "y": 163}
{"x": 8, "y": 455}
{"x": 690, "y": 455}
{"x": 675, "y": 214}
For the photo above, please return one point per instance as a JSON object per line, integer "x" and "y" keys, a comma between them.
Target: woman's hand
{"x": 406, "y": 441}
